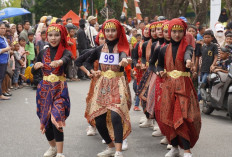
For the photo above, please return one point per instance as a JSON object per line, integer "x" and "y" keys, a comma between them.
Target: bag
{"x": 9, "y": 71}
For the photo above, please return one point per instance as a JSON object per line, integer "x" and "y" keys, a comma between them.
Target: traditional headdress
{"x": 100, "y": 35}
{"x": 166, "y": 25}
{"x": 63, "y": 42}
{"x": 123, "y": 45}
{"x": 179, "y": 24}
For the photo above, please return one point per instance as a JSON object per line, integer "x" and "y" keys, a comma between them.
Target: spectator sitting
{"x": 224, "y": 64}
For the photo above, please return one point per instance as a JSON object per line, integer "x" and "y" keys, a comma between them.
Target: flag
{"x": 124, "y": 9}
{"x": 86, "y": 10}
{"x": 84, "y": 5}
{"x": 80, "y": 9}
{"x": 137, "y": 10}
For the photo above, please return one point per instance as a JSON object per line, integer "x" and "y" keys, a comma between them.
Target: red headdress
{"x": 179, "y": 24}
{"x": 166, "y": 25}
{"x": 123, "y": 45}
{"x": 147, "y": 26}
{"x": 100, "y": 34}
{"x": 63, "y": 42}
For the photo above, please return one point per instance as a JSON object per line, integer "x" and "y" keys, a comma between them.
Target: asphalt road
{"x": 20, "y": 135}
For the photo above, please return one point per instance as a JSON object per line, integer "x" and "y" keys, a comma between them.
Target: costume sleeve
{"x": 152, "y": 50}
{"x": 135, "y": 55}
{"x": 144, "y": 53}
{"x": 66, "y": 57}
{"x": 198, "y": 50}
{"x": 154, "y": 58}
{"x": 79, "y": 62}
{"x": 161, "y": 55}
{"x": 95, "y": 55}
{"x": 188, "y": 53}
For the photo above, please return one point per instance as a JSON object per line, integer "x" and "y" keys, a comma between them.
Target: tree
{"x": 200, "y": 8}
{"x": 229, "y": 7}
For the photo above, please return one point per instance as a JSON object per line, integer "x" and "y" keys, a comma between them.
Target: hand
{"x": 188, "y": 64}
{"x": 129, "y": 60}
{"x": 212, "y": 67}
{"x": 38, "y": 65}
{"x": 22, "y": 65}
{"x": 8, "y": 48}
{"x": 138, "y": 66}
{"x": 163, "y": 73}
{"x": 143, "y": 66}
{"x": 96, "y": 73}
{"x": 123, "y": 63}
{"x": 27, "y": 52}
{"x": 89, "y": 74}
{"x": 57, "y": 63}
{"x": 195, "y": 75}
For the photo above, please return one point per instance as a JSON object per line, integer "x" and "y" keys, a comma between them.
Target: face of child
{"x": 159, "y": 32}
{"x": 139, "y": 38}
{"x": 54, "y": 38}
{"x": 101, "y": 40}
{"x": 192, "y": 31}
{"x": 134, "y": 33}
{"x": 111, "y": 34}
{"x": 13, "y": 29}
{"x": 203, "y": 30}
{"x": 16, "y": 47}
{"x": 177, "y": 35}
{"x": 72, "y": 32}
{"x": 207, "y": 39}
{"x": 22, "y": 43}
{"x": 146, "y": 32}
{"x": 30, "y": 38}
{"x": 43, "y": 36}
{"x": 166, "y": 35}
{"x": 223, "y": 55}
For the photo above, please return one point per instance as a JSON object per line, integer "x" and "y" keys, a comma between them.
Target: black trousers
{"x": 117, "y": 125}
{"x": 53, "y": 133}
{"x": 185, "y": 142}
{"x": 3, "y": 68}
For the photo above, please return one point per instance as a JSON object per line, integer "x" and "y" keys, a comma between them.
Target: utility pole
{"x": 33, "y": 14}
{"x": 92, "y": 8}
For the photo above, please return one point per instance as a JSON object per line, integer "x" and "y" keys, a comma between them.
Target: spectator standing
{"x": 201, "y": 33}
{"x": 41, "y": 43}
{"x": 41, "y": 27}
{"x": 14, "y": 32}
{"x": 91, "y": 31}
{"x": 30, "y": 48}
{"x": 19, "y": 28}
{"x": 24, "y": 33}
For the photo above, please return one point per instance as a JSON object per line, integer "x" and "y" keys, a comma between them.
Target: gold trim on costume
{"x": 176, "y": 74}
{"x": 101, "y": 35}
{"x": 159, "y": 25}
{"x": 153, "y": 26}
{"x": 147, "y": 26}
{"x": 110, "y": 25}
{"x": 54, "y": 78}
{"x": 111, "y": 74}
{"x": 53, "y": 28}
{"x": 177, "y": 27}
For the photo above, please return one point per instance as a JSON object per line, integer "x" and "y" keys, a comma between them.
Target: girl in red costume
{"x": 179, "y": 109}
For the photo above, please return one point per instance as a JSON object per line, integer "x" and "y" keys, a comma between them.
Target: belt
{"x": 111, "y": 74}
{"x": 176, "y": 74}
{"x": 54, "y": 78}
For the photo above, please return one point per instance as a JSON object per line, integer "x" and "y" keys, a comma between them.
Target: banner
{"x": 215, "y": 11}
{"x": 84, "y": 5}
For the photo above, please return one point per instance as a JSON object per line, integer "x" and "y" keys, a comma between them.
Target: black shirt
{"x": 208, "y": 52}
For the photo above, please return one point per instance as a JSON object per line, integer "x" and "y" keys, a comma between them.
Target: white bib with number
{"x": 109, "y": 58}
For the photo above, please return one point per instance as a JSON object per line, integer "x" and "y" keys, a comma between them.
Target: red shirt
{"x": 72, "y": 48}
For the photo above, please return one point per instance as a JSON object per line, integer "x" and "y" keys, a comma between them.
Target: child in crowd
{"x": 209, "y": 52}
{"x": 138, "y": 37}
{"x": 201, "y": 33}
{"x": 228, "y": 40}
{"x": 41, "y": 43}
{"x": 72, "y": 69}
{"x": 18, "y": 64}
{"x": 224, "y": 64}
{"x": 133, "y": 39}
{"x": 30, "y": 48}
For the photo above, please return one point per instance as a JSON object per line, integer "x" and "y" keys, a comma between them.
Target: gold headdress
{"x": 177, "y": 27}
{"x": 15, "y": 42}
{"x": 165, "y": 27}
{"x": 147, "y": 26}
{"x": 159, "y": 25}
{"x": 110, "y": 25}
{"x": 153, "y": 26}
{"x": 53, "y": 28}
{"x": 101, "y": 35}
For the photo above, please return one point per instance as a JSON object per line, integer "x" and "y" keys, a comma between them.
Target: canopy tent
{"x": 12, "y": 12}
{"x": 74, "y": 16}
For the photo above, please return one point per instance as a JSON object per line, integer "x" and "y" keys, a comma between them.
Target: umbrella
{"x": 11, "y": 12}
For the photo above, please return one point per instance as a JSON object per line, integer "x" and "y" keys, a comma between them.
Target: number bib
{"x": 109, "y": 58}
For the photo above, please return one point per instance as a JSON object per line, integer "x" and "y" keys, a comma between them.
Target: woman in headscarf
{"x": 179, "y": 109}
{"x": 14, "y": 32}
{"x": 53, "y": 103}
{"x": 111, "y": 101}
{"x": 41, "y": 27}
{"x": 223, "y": 18}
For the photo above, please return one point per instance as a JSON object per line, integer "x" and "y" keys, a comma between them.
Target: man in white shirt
{"x": 90, "y": 31}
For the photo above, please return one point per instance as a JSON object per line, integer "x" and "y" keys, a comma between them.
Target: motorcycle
{"x": 217, "y": 92}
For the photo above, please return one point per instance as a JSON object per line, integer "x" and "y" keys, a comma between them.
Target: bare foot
{"x": 2, "y": 97}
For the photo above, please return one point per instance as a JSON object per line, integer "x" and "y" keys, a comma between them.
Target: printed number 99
{"x": 109, "y": 58}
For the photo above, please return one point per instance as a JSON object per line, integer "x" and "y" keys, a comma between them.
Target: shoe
{"x": 136, "y": 108}
{"x": 148, "y": 123}
{"x": 156, "y": 126}
{"x": 169, "y": 147}
{"x": 6, "y": 94}
{"x": 157, "y": 133}
{"x": 91, "y": 131}
{"x": 188, "y": 155}
{"x": 60, "y": 155}
{"x": 103, "y": 141}
{"x": 118, "y": 154}
{"x": 107, "y": 153}
{"x": 174, "y": 152}
{"x": 2, "y": 97}
{"x": 164, "y": 141}
{"x": 142, "y": 120}
{"x": 51, "y": 152}
{"x": 9, "y": 93}
{"x": 124, "y": 145}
